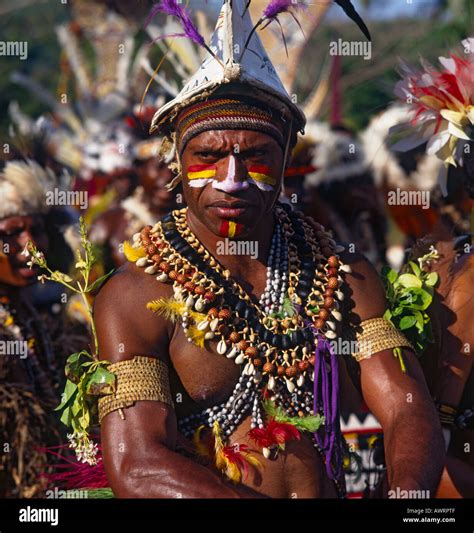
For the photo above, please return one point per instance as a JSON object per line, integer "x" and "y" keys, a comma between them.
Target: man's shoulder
{"x": 128, "y": 287}
{"x": 364, "y": 286}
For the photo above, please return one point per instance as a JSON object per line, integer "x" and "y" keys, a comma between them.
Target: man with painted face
{"x": 228, "y": 365}
{"x": 29, "y": 358}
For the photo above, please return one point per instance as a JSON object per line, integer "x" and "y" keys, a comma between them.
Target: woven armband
{"x": 140, "y": 378}
{"x": 376, "y": 335}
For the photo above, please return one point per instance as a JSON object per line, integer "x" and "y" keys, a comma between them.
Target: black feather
{"x": 350, "y": 11}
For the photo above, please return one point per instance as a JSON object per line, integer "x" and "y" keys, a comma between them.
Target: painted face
{"x": 258, "y": 175}
{"x": 15, "y": 232}
{"x": 232, "y": 179}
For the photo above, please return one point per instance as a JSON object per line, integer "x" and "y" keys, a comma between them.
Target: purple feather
{"x": 270, "y": 13}
{"x": 172, "y": 8}
{"x": 275, "y": 7}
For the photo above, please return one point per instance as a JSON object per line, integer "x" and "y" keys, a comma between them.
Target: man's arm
{"x": 401, "y": 401}
{"x": 139, "y": 455}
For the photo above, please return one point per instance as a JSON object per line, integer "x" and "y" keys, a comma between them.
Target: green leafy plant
{"x": 410, "y": 294}
{"x": 87, "y": 377}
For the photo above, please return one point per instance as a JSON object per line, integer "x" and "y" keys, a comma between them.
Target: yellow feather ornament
{"x": 197, "y": 336}
{"x": 168, "y": 308}
{"x": 132, "y": 253}
{"x": 200, "y": 447}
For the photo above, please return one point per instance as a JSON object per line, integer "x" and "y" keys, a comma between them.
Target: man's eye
{"x": 207, "y": 155}
{"x": 255, "y": 154}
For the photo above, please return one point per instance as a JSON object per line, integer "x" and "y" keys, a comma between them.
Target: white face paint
{"x": 229, "y": 185}
{"x": 200, "y": 182}
{"x": 262, "y": 186}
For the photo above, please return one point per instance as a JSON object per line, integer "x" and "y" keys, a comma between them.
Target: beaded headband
{"x": 227, "y": 114}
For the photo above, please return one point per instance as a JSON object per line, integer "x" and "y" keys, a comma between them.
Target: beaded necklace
{"x": 275, "y": 340}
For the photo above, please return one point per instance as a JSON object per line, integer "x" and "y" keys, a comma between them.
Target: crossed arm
{"x": 414, "y": 447}
{"x": 139, "y": 452}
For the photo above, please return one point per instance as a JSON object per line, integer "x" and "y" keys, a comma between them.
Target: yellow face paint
{"x": 260, "y": 175}
{"x": 200, "y": 175}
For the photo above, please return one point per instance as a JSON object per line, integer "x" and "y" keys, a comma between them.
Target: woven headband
{"x": 227, "y": 114}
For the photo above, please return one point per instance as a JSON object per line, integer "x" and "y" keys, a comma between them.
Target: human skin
{"x": 449, "y": 380}
{"x": 140, "y": 452}
{"x": 15, "y": 232}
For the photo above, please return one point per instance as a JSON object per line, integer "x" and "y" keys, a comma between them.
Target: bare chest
{"x": 200, "y": 376}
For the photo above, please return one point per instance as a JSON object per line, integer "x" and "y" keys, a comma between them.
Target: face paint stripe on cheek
{"x": 261, "y": 173}
{"x": 199, "y": 183}
{"x": 196, "y": 172}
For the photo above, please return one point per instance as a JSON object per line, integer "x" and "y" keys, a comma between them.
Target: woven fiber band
{"x": 377, "y": 335}
{"x": 227, "y": 114}
{"x": 447, "y": 414}
{"x": 140, "y": 378}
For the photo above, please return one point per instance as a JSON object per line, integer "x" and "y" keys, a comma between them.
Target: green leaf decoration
{"x": 69, "y": 390}
{"x": 101, "y": 381}
{"x": 66, "y": 417}
{"x": 432, "y": 279}
{"x": 407, "y": 322}
{"x": 409, "y": 280}
{"x": 410, "y": 294}
{"x": 415, "y": 268}
{"x": 391, "y": 275}
{"x": 74, "y": 365}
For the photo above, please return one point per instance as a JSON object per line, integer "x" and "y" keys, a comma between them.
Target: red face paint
{"x": 230, "y": 229}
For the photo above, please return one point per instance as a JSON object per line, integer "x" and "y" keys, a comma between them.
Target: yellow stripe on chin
{"x": 232, "y": 226}
{"x": 263, "y": 178}
{"x": 201, "y": 174}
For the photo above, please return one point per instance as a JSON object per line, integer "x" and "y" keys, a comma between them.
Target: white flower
{"x": 25, "y": 251}
{"x": 429, "y": 258}
{"x": 86, "y": 450}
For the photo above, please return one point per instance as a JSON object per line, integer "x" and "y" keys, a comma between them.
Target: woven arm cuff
{"x": 140, "y": 378}
{"x": 376, "y": 335}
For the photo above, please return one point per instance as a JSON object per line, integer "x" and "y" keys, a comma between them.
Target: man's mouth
{"x": 26, "y": 272}
{"x": 226, "y": 209}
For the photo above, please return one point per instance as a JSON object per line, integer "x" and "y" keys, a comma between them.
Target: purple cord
{"x": 330, "y": 443}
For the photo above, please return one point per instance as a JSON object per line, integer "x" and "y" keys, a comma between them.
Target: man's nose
{"x": 235, "y": 179}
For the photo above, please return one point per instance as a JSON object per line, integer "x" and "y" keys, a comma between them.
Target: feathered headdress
{"x": 94, "y": 136}
{"x": 235, "y": 56}
{"x": 337, "y": 156}
{"x": 383, "y": 162}
{"x": 443, "y": 101}
{"x": 23, "y": 187}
